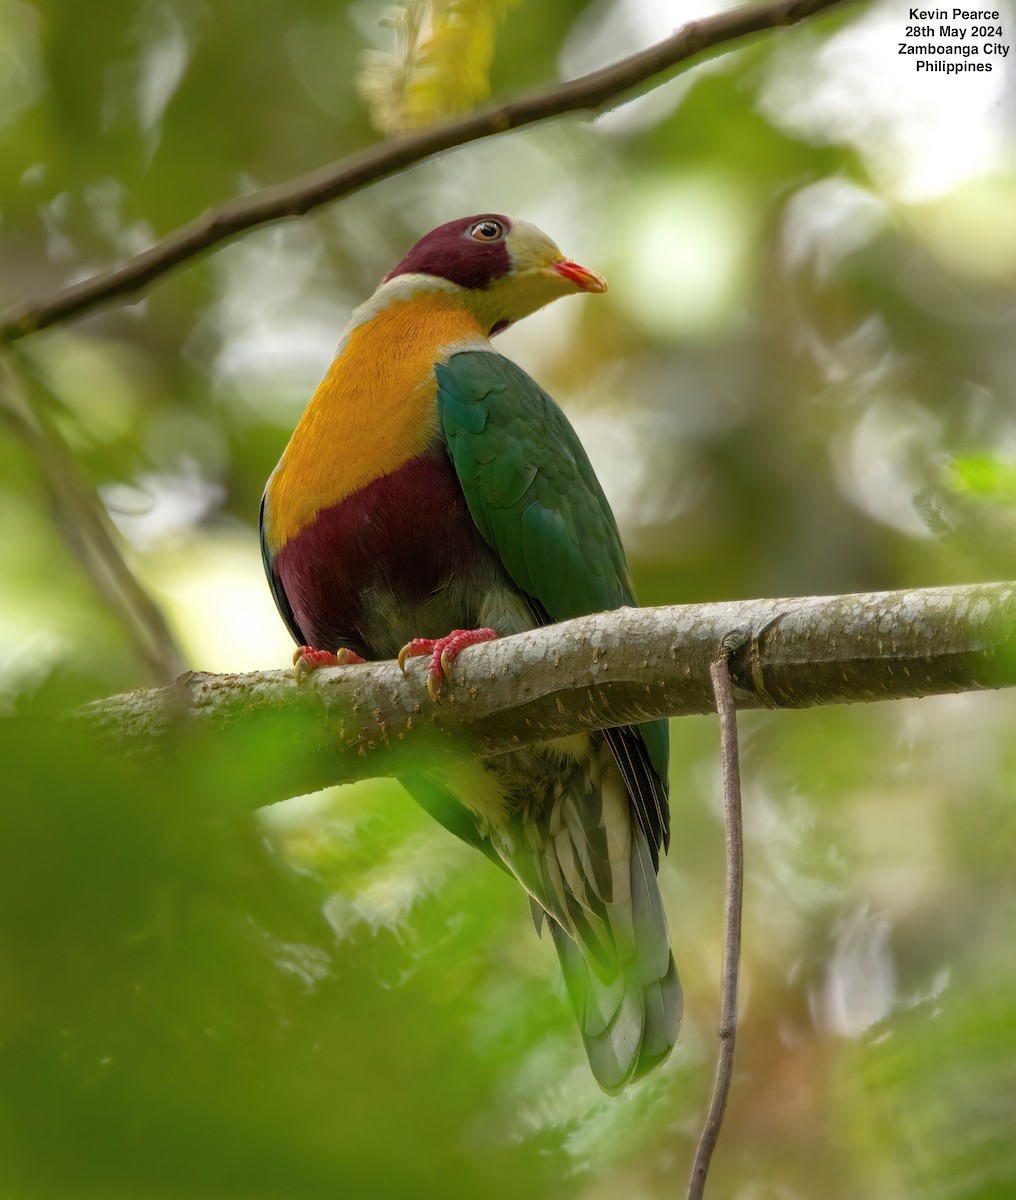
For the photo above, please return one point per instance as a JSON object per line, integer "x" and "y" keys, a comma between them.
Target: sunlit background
{"x": 801, "y": 381}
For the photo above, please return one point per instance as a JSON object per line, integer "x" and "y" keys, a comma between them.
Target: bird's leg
{"x": 307, "y": 659}
{"x": 443, "y": 652}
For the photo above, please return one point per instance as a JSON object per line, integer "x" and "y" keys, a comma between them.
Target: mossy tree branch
{"x": 609, "y": 669}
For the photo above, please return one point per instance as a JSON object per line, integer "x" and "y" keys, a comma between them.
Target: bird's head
{"x": 502, "y": 269}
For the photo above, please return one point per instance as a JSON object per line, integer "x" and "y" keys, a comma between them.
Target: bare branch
{"x": 80, "y": 518}
{"x": 595, "y": 93}
{"x": 613, "y": 668}
{"x": 723, "y": 691}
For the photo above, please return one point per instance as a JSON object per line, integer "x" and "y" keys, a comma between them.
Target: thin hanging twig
{"x": 719, "y": 673}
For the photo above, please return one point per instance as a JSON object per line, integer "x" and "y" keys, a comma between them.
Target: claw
{"x": 414, "y": 649}
{"x": 306, "y": 659}
{"x": 443, "y": 652}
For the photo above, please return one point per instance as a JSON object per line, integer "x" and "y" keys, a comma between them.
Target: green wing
{"x": 530, "y": 487}
{"x": 536, "y": 500}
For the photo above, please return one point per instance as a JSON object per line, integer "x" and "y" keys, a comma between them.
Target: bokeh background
{"x": 800, "y": 382}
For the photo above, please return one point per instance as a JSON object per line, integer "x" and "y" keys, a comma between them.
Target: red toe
{"x": 443, "y": 652}
{"x": 306, "y": 659}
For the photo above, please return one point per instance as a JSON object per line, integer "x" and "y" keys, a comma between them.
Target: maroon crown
{"x": 450, "y": 253}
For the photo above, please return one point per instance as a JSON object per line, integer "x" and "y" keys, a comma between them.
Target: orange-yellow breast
{"x": 372, "y": 412}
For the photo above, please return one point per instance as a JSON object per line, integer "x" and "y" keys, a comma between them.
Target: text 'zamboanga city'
{"x": 964, "y": 40}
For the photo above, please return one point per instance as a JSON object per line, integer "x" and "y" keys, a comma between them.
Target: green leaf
{"x": 984, "y": 476}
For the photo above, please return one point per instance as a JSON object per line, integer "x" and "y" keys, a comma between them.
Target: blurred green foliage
{"x": 985, "y": 475}
{"x": 800, "y": 382}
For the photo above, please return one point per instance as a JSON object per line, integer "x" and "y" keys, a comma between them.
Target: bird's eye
{"x": 487, "y": 231}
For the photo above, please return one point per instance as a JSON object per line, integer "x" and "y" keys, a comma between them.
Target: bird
{"x": 433, "y": 497}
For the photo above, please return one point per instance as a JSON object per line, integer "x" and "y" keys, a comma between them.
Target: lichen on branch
{"x": 612, "y": 668}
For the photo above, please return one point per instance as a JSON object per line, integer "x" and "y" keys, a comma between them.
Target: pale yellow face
{"x": 541, "y": 273}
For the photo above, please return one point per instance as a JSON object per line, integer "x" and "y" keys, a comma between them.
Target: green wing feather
{"x": 534, "y": 496}
{"x": 530, "y": 487}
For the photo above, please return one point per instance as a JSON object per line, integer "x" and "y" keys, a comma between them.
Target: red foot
{"x": 443, "y": 652}
{"x": 306, "y": 659}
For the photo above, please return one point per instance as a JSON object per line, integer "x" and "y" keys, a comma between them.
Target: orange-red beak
{"x": 584, "y": 279}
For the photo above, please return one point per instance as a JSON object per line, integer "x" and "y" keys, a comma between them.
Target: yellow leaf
{"x": 441, "y": 65}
